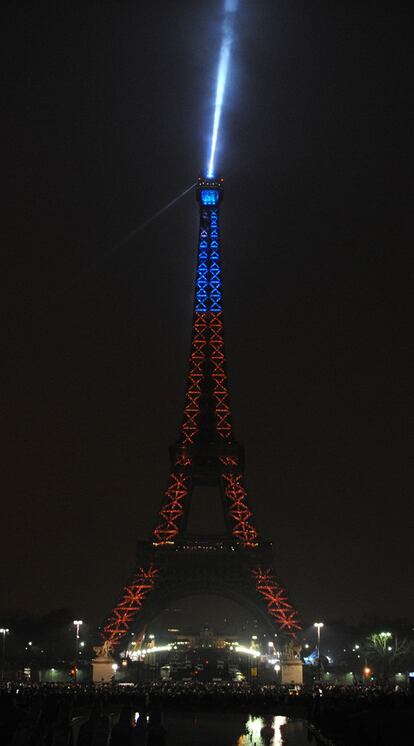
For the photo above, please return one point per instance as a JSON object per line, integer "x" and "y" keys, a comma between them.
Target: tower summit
{"x": 173, "y": 564}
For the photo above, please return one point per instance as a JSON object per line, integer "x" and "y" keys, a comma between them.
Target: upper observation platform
{"x": 209, "y": 192}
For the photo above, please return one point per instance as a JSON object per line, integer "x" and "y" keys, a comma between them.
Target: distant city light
{"x": 160, "y": 649}
{"x": 77, "y": 623}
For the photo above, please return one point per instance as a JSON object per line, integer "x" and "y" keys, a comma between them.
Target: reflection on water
{"x": 234, "y": 729}
{"x": 274, "y": 731}
{"x": 263, "y": 731}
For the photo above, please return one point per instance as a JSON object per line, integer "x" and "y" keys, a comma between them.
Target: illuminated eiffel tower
{"x": 172, "y": 564}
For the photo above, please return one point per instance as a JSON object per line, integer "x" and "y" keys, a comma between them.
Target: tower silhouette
{"x": 172, "y": 564}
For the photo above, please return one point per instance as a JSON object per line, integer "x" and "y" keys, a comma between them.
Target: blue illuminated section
{"x": 202, "y": 273}
{"x": 208, "y": 278}
{"x": 215, "y": 271}
{"x": 209, "y": 197}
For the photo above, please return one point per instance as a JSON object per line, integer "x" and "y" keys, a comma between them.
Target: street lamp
{"x": 4, "y": 631}
{"x": 318, "y": 626}
{"x": 77, "y": 623}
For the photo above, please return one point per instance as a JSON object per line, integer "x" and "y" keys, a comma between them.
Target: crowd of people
{"x": 119, "y": 715}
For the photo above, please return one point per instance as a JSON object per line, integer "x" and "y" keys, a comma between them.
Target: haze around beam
{"x": 230, "y": 8}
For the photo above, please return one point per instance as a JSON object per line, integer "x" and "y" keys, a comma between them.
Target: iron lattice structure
{"x": 238, "y": 564}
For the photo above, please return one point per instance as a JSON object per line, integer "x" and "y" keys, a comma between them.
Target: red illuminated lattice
{"x": 278, "y": 605}
{"x": 195, "y": 378}
{"x": 229, "y": 460}
{"x": 219, "y": 376}
{"x": 239, "y": 510}
{"x": 130, "y": 604}
{"x": 183, "y": 459}
{"x": 173, "y": 509}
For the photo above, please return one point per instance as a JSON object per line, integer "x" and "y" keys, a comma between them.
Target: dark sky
{"x": 108, "y": 113}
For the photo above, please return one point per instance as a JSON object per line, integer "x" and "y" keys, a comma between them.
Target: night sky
{"x": 108, "y": 107}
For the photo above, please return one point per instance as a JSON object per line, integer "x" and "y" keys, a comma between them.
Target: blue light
{"x": 311, "y": 659}
{"x": 208, "y": 280}
{"x": 209, "y": 196}
{"x": 202, "y": 272}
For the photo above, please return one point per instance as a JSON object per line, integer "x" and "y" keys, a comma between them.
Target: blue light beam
{"x": 230, "y": 7}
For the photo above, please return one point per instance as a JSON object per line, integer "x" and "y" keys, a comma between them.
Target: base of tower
{"x": 103, "y": 669}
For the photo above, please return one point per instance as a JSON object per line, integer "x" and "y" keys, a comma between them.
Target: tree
{"x": 386, "y": 653}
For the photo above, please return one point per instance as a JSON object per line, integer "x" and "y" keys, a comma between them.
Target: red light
{"x": 278, "y": 605}
{"x": 131, "y": 602}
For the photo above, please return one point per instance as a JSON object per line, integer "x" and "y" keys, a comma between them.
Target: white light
{"x": 318, "y": 624}
{"x": 160, "y": 649}
{"x": 226, "y": 43}
{"x": 277, "y": 667}
{"x": 114, "y": 666}
{"x": 278, "y": 722}
{"x": 77, "y": 623}
{"x": 248, "y": 651}
{"x": 253, "y": 727}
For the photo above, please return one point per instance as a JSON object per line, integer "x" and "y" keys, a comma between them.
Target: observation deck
{"x": 209, "y": 192}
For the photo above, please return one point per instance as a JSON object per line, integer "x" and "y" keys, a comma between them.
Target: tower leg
{"x": 277, "y": 603}
{"x": 117, "y": 626}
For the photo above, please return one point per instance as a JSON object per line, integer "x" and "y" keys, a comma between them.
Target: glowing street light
{"x": 77, "y": 623}
{"x": 318, "y": 626}
{"x": 4, "y": 631}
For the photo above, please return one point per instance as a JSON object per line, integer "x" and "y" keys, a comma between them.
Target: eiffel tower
{"x": 173, "y": 564}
